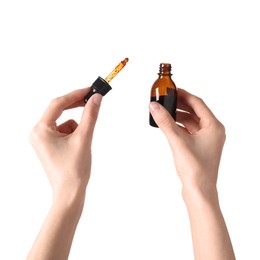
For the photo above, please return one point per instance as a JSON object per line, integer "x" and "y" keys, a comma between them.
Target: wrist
{"x": 200, "y": 186}
{"x": 197, "y": 196}
{"x": 69, "y": 198}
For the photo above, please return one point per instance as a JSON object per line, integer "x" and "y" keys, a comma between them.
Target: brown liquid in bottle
{"x": 164, "y": 91}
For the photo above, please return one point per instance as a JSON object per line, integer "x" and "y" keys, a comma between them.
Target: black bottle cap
{"x": 99, "y": 86}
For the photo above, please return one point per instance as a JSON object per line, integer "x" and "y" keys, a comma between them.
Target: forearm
{"x": 209, "y": 232}
{"x": 56, "y": 235}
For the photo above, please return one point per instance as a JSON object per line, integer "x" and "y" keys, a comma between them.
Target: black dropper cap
{"x": 99, "y": 86}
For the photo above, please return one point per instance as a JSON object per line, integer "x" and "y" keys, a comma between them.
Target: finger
{"x": 187, "y": 120}
{"x": 184, "y": 129}
{"x": 67, "y": 127}
{"x": 163, "y": 119}
{"x": 89, "y": 117}
{"x": 181, "y": 106}
{"x": 81, "y": 94}
{"x": 58, "y": 105}
{"x": 195, "y": 105}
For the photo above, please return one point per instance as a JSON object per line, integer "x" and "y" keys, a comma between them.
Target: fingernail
{"x": 97, "y": 98}
{"x": 154, "y": 106}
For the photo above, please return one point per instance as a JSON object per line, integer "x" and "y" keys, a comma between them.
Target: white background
{"x": 134, "y": 207}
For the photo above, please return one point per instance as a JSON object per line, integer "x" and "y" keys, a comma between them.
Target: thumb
{"x": 163, "y": 119}
{"x": 89, "y": 117}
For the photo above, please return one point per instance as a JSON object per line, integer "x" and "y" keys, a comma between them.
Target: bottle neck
{"x": 165, "y": 69}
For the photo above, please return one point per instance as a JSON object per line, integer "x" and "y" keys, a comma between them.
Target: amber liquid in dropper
{"x": 102, "y": 85}
{"x": 116, "y": 70}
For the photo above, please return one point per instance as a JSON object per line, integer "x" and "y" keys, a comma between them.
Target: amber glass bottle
{"x": 164, "y": 91}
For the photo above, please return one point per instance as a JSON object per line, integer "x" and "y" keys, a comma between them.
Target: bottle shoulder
{"x": 165, "y": 82}
{"x": 162, "y": 85}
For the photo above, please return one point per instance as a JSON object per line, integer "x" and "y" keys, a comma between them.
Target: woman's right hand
{"x": 196, "y": 140}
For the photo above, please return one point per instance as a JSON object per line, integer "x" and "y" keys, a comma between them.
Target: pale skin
{"x": 196, "y": 144}
{"x": 65, "y": 153}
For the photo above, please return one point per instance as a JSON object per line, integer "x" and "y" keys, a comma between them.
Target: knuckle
{"x": 56, "y": 102}
{"x": 220, "y": 130}
{"x": 200, "y": 100}
{"x": 37, "y": 133}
